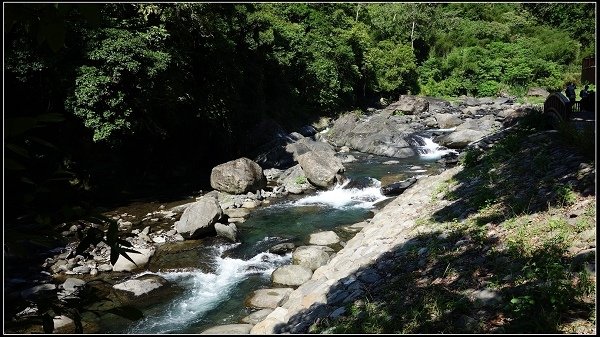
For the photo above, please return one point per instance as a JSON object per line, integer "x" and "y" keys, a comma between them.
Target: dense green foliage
{"x": 106, "y": 99}
{"x": 103, "y": 97}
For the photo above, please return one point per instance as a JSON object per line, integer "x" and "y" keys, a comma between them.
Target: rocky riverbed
{"x": 291, "y": 164}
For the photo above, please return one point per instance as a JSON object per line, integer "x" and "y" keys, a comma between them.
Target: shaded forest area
{"x": 105, "y": 102}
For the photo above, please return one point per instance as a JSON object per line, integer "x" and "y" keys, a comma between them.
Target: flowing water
{"x": 217, "y": 298}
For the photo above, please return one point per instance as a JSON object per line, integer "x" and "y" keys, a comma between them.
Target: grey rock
{"x": 257, "y": 316}
{"x": 228, "y": 231}
{"x": 324, "y": 238}
{"x": 72, "y": 284}
{"x": 228, "y": 329}
{"x": 238, "y": 176}
{"x": 312, "y": 256}
{"x": 291, "y": 275}
{"x": 140, "y": 260}
{"x": 268, "y": 298}
{"x": 199, "y": 218}
{"x": 282, "y": 248}
{"x": 142, "y": 285}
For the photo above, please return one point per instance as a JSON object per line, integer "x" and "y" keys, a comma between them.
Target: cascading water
{"x": 428, "y": 149}
{"x": 215, "y": 298}
{"x": 206, "y": 291}
{"x": 341, "y": 197}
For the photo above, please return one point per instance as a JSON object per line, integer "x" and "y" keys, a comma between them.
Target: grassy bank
{"x": 508, "y": 248}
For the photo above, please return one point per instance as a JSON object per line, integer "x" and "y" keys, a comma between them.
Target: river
{"x": 216, "y": 298}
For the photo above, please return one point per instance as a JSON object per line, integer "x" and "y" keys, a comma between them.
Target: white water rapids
{"x": 341, "y": 197}
{"x": 429, "y": 150}
{"x": 206, "y": 291}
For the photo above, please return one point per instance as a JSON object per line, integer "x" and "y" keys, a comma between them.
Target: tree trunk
{"x": 411, "y": 36}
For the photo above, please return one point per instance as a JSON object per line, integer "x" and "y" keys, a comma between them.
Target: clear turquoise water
{"x": 216, "y": 299}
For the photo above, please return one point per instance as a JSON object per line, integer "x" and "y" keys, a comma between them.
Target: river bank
{"x": 482, "y": 252}
{"x": 161, "y": 221}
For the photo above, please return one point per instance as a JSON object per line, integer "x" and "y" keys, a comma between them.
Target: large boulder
{"x": 437, "y": 105}
{"x": 446, "y": 121}
{"x": 460, "y": 138}
{"x": 379, "y": 134}
{"x": 294, "y": 180}
{"x": 274, "y": 154}
{"x": 238, "y": 176}
{"x": 139, "y": 291}
{"x": 318, "y": 161}
{"x": 199, "y": 218}
{"x": 321, "y": 170}
{"x": 484, "y": 124}
{"x": 408, "y": 105}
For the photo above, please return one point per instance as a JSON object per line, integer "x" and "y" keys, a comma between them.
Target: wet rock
{"x": 228, "y": 231}
{"x": 357, "y": 227}
{"x": 397, "y": 187}
{"x": 282, "y": 248}
{"x": 141, "y": 292}
{"x": 181, "y": 255}
{"x": 142, "y": 285}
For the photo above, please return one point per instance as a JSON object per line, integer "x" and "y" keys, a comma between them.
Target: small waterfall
{"x": 206, "y": 291}
{"x": 428, "y": 149}
{"x": 341, "y": 196}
